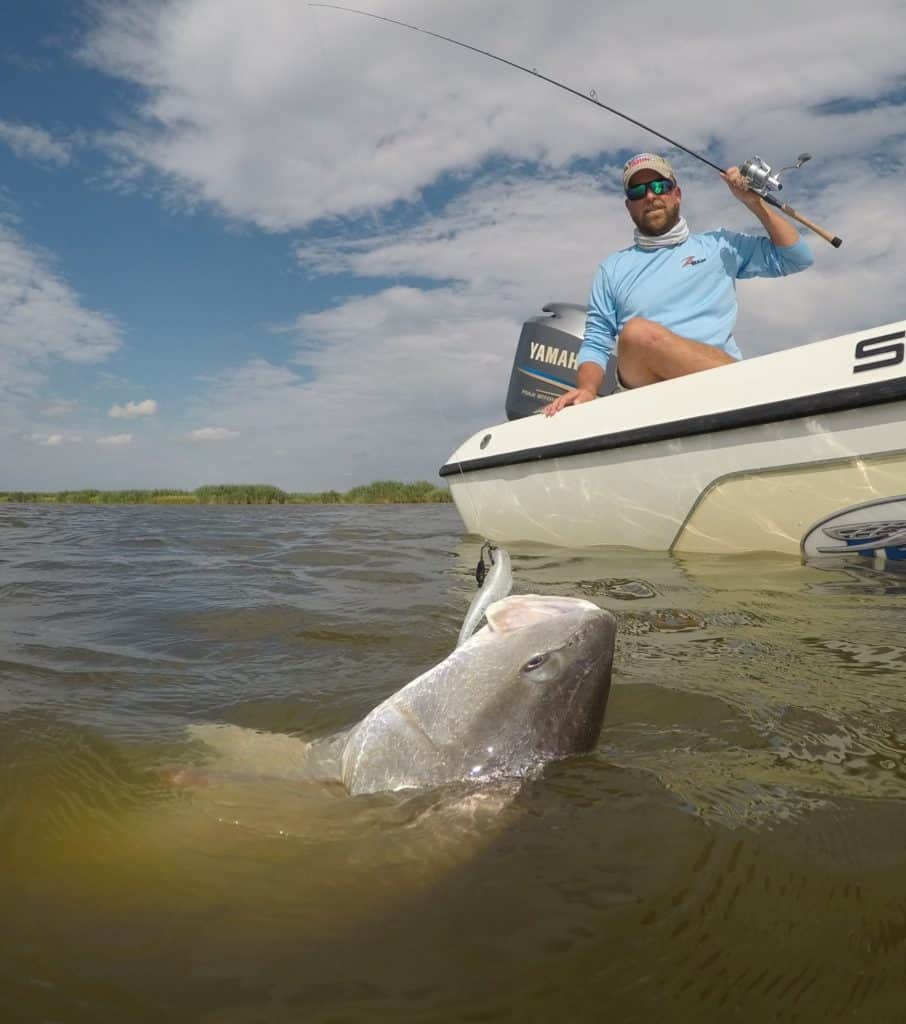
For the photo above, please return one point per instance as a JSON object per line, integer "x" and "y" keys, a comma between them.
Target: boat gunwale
{"x": 822, "y": 402}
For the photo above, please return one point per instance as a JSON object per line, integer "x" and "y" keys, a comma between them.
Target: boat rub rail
{"x": 841, "y": 400}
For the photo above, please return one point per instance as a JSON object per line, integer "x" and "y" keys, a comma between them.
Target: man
{"x": 668, "y": 303}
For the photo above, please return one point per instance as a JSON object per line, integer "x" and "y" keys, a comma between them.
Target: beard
{"x": 662, "y": 227}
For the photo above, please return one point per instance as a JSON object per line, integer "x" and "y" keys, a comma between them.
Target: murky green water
{"x": 735, "y": 849}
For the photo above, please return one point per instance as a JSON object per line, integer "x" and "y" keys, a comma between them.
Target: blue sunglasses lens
{"x": 659, "y": 187}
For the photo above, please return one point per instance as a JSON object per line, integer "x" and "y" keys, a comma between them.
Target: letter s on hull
{"x": 887, "y": 350}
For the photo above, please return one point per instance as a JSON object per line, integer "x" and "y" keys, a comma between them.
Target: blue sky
{"x": 262, "y": 242}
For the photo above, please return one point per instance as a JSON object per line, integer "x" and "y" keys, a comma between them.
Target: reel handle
{"x": 834, "y": 240}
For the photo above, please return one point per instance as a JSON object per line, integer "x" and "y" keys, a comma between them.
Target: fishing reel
{"x": 760, "y": 177}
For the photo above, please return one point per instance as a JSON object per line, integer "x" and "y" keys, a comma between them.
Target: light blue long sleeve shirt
{"x": 689, "y": 288}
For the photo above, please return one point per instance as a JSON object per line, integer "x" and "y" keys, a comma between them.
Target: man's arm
{"x": 783, "y": 252}
{"x": 596, "y": 348}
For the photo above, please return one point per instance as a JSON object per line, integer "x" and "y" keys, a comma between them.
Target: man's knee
{"x": 639, "y": 333}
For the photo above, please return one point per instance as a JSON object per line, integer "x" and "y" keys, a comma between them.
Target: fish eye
{"x": 544, "y": 667}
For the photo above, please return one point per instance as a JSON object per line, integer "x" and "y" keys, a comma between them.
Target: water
{"x": 734, "y": 848}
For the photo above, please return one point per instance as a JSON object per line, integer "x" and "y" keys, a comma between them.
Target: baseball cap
{"x": 647, "y": 162}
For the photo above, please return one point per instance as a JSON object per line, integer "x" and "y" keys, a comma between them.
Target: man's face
{"x": 653, "y": 215}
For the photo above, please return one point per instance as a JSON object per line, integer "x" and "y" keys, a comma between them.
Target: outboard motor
{"x": 545, "y": 363}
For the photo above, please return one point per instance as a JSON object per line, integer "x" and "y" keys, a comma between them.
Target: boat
{"x": 801, "y": 452}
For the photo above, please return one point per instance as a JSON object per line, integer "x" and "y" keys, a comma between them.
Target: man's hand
{"x": 589, "y": 378}
{"x": 575, "y": 397}
{"x": 736, "y": 183}
{"x": 780, "y": 231}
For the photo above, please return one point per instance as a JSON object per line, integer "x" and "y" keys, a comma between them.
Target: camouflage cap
{"x": 647, "y": 162}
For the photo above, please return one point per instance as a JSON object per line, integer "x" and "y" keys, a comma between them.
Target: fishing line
{"x": 465, "y": 483}
{"x": 589, "y": 97}
{"x": 437, "y": 406}
{"x": 756, "y": 172}
{"x": 314, "y": 21}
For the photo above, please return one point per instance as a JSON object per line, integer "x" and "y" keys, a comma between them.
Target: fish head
{"x": 530, "y": 687}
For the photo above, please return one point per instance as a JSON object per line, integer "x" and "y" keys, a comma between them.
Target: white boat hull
{"x": 697, "y": 464}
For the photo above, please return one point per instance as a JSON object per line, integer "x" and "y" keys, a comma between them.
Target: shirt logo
{"x": 691, "y": 261}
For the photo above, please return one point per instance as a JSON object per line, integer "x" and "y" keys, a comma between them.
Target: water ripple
{"x": 733, "y": 848}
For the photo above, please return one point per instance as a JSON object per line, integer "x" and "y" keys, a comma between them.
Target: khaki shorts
{"x": 619, "y": 385}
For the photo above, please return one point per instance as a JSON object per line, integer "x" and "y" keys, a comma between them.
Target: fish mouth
{"x": 524, "y": 610}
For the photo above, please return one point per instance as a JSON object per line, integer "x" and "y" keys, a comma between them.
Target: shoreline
{"x": 382, "y": 492}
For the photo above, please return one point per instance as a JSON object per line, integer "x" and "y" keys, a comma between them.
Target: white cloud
{"x": 41, "y": 317}
{"x": 132, "y": 410}
{"x": 213, "y": 434}
{"x": 281, "y": 114}
{"x": 53, "y": 440}
{"x": 61, "y": 407}
{"x": 115, "y": 440}
{"x": 501, "y": 231}
{"x": 433, "y": 365}
{"x": 33, "y": 143}
{"x": 42, "y": 323}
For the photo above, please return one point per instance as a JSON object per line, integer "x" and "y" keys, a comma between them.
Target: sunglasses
{"x": 659, "y": 187}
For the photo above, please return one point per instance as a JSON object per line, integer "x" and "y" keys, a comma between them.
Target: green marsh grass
{"x": 381, "y": 492}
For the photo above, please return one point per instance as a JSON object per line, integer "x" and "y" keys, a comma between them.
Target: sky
{"x": 271, "y": 243}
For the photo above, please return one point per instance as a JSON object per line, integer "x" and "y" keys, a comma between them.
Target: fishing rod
{"x": 759, "y": 176}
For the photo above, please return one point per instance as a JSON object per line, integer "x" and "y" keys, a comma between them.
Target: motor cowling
{"x": 545, "y": 363}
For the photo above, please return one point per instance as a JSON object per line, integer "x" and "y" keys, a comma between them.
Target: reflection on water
{"x": 734, "y": 848}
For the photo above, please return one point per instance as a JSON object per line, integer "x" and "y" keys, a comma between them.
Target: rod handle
{"x": 834, "y": 240}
